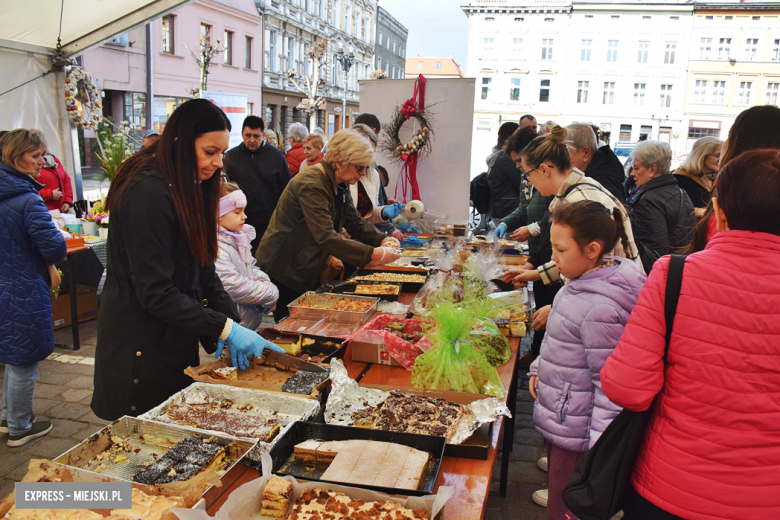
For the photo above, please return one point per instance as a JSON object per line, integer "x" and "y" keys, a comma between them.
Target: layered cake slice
{"x": 327, "y": 451}
{"x": 225, "y": 373}
{"x": 276, "y": 497}
{"x": 307, "y": 450}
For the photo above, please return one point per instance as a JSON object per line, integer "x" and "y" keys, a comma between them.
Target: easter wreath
{"x": 81, "y": 90}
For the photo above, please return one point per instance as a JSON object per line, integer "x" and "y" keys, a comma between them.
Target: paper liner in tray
{"x": 346, "y": 396}
{"x": 402, "y": 351}
{"x": 285, "y": 410}
{"x": 244, "y": 502}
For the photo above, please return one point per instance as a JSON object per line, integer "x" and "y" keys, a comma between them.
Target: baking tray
{"x": 160, "y": 438}
{"x": 407, "y": 287}
{"x": 283, "y": 463}
{"x": 309, "y": 313}
{"x": 286, "y": 410}
{"x": 329, "y": 348}
{"x": 349, "y": 287}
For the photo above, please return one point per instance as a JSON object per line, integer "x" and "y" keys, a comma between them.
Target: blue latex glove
{"x": 243, "y": 344}
{"x": 393, "y": 210}
{"x": 500, "y": 230}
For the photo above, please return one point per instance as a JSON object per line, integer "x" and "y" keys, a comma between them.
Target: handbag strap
{"x": 673, "y": 284}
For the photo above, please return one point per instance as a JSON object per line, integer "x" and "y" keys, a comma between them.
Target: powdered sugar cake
{"x": 378, "y": 464}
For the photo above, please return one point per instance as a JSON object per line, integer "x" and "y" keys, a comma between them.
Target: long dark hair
{"x": 591, "y": 221}
{"x": 748, "y": 191}
{"x": 175, "y": 157}
{"x": 755, "y": 128}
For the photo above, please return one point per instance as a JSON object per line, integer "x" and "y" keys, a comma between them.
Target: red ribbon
{"x": 409, "y": 170}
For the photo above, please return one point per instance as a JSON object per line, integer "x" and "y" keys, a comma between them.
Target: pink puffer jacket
{"x": 712, "y": 448}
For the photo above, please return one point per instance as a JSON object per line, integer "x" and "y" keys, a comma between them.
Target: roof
{"x": 85, "y": 24}
{"x": 447, "y": 68}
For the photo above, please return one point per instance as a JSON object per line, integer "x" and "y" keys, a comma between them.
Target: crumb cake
{"x": 222, "y": 417}
{"x": 182, "y": 462}
{"x": 225, "y": 373}
{"x": 317, "y": 503}
{"x": 276, "y": 497}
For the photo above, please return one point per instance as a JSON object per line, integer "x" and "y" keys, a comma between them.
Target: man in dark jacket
{"x": 597, "y": 163}
{"x": 504, "y": 177}
{"x": 261, "y": 171}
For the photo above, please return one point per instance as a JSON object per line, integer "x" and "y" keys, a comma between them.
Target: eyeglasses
{"x": 363, "y": 168}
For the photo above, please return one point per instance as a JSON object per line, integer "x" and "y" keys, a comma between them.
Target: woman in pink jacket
{"x": 712, "y": 447}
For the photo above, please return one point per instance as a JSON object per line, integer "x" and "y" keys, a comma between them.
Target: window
{"x": 639, "y": 94}
{"x": 486, "y": 87}
{"x": 756, "y": 18}
{"x": 708, "y": 17}
{"x": 588, "y": 16}
{"x": 615, "y": 16}
{"x": 380, "y": 37}
{"x": 674, "y": 17}
{"x": 700, "y": 91}
{"x": 669, "y": 54}
{"x": 514, "y": 89}
{"x": 612, "y": 46}
{"x": 205, "y": 31}
{"x": 751, "y": 48}
{"x": 388, "y": 43}
{"x": 228, "y": 43}
{"x": 547, "y": 48}
{"x": 272, "y": 52}
{"x": 646, "y": 17}
{"x": 378, "y": 63}
{"x": 729, "y": 17}
{"x": 122, "y": 39}
{"x": 347, "y": 18}
{"x": 490, "y": 19}
{"x": 645, "y": 131}
{"x": 698, "y": 133}
{"x": 745, "y": 87}
{"x": 290, "y": 47}
{"x": 585, "y": 51}
{"x": 248, "y": 52}
{"x": 167, "y": 34}
{"x": 392, "y": 74}
{"x": 336, "y": 12}
{"x": 549, "y": 20}
{"x": 437, "y": 65}
{"x": 609, "y": 93}
{"x": 771, "y": 93}
{"x": 776, "y": 51}
{"x": 519, "y": 19}
{"x": 487, "y": 47}
{"x": 724, "y": 48}
{"x": 401, "y": 52}
{"x": 582, "y": 91}
{"x": 625, "y": 133}
{"x": 420, "y": 64}
{"x": 544, "y": 91}
{"x": 642, "y": 52}
{"x": 517, "y": 48}
{"x": 718, "y": 92}
{"x": 393, "y": 46}
{"x": 704, "y": 48}
{"x": 666, "y": 96}
{"x": 305, "y": 59}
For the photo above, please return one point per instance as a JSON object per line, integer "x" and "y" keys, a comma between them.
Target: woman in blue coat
{"x": 28, "y": 240}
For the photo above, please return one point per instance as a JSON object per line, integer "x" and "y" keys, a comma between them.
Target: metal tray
{"x": 329, "y": 348}
{"x": 286, "y": 410}
{"x": 350, "y": 286}
{"x": 130, "y": 429}
{"x": 285, "y": 464}
{"x": 309, "y": 313}
{"x": 408, "y": 287}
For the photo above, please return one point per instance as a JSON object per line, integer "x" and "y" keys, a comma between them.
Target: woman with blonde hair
{"x": 306, "y": 226}
{"x": 29, "y": 241}
{"x": 697, "y": 173}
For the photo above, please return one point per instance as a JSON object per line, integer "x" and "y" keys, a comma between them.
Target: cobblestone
{"x": 68, "y": 411}
{"x": 80, "y": 382}
{"x": 76, "y": 395}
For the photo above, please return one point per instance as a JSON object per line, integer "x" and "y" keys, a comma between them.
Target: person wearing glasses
{"x": 305, "y": 228}
{"x": 697, "y": 174}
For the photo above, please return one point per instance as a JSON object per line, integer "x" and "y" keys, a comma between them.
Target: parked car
{"x": 623, "y": 151}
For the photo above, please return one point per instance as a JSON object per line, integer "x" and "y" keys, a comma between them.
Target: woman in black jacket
{"x": 661, "y": 213}
{"x": 161, "y": 294}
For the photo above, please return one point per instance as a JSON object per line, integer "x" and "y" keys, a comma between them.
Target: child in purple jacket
{"x": 584, "y": 326}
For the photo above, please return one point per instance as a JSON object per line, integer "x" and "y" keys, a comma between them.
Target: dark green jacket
{"x": 301, "y": 234}
{"x": 529, "y": 211}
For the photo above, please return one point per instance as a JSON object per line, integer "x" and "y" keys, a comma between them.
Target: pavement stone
{"x": 80, "y": 382}
{"x": 50, "y": 447}
{"x": 10, "y": 461}
{"x": 71, "y": 411}
{"x": 64, "y": 428}
{"x": 47, "y": 391}
{"x": 42, "y": 405}
{"x": 529, "y": 436}
{"x": 524, "y": 407}
{"x": 7, "y": 487}
{"x": 76, "y": 395}
{"x": 56, "y": 376}
{"x": 20, "y": 471}
{"x": 90, "y": 417}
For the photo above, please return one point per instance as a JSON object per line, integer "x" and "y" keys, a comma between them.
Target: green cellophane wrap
{"x": 454, "y": 363}
{"x": 492, "y": 344}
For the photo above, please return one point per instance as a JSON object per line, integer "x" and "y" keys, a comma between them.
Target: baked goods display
{"x": 417, "y": 253}
{"x": 318, "y": 503}
{"x": 369, "y": 463}
{"x": 148, "y": 507}
{"x": 225, "y": 373}
{"x": 223, "y": 416}
{"x": 318, "y": 450}
{"x": 392, "y": 277}
{"x": 409, "y": 413}
{"x": 410, "y": 331}
{"x": 182, "y": 462}
{"x": 303, "y": 382}
{"x": 376, "y": 289}
{"x": 276, "y": 497}
{"x": 51, "y": 514}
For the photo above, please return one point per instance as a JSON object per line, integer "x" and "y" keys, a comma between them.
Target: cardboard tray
{"x": 285, "y": 464}
{"x": 406, "y": 287}
{"x": 476, "y": 446}
{"x": 329, "y": 348}
{"x": 256, "y": 377}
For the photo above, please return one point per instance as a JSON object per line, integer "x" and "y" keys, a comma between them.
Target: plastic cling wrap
{"x": 491, "y": 342}
{"x": 445, "y": 285}
{"x": 455, "y": 363}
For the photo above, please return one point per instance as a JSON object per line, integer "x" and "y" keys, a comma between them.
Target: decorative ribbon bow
{"x": 408, "y": 176}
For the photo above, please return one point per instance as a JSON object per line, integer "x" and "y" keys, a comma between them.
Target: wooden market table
{"x": 471, "y": 478}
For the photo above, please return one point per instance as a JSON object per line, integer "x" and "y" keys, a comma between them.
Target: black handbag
{"x": 600, "y": 482}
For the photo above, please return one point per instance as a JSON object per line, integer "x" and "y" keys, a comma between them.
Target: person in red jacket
{"x": 57, "y": 191}
{"x": 712, "y": 446}
{"x": 296, "y": 154}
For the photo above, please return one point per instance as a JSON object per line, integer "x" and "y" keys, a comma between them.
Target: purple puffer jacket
{"x": 584, "y": 326}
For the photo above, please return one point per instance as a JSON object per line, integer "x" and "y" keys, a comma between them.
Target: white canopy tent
{"x": 31, "y": 90}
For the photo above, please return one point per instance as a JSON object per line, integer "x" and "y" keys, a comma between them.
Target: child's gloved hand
{"x": 393, "y": 210}
{"x": 244, "y": 344}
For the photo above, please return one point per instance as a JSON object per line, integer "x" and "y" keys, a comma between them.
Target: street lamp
{"x": 346, "y": 59}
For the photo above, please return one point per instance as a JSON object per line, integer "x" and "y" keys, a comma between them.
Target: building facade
{"x": 432, "y": 67}
{"x": 390, "y": 49}
{"x": 735, "y": 64}
{"x": 291, "y": 27}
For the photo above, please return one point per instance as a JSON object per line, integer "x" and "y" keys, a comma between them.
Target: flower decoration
{"x": 82, "y": 99}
